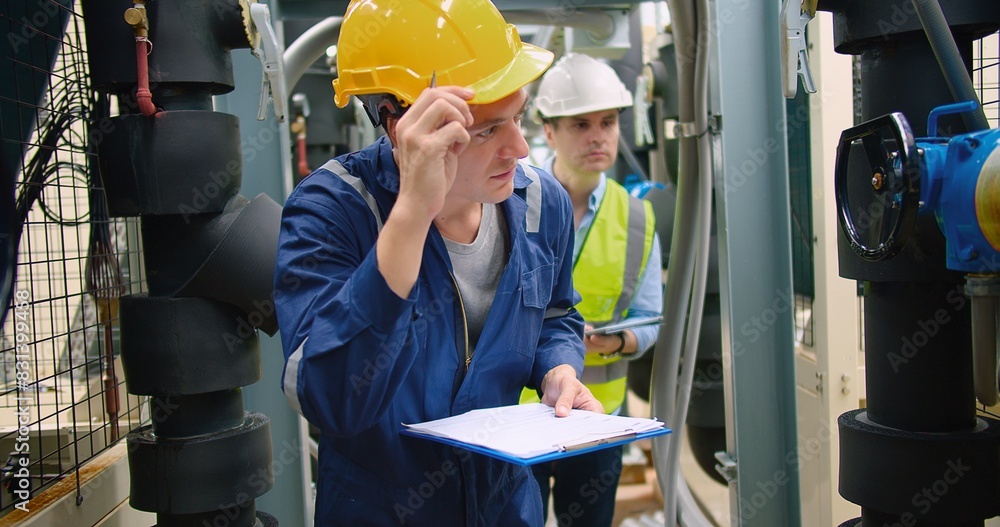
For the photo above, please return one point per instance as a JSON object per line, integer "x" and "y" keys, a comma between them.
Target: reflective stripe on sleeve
{"x": 290, "y": 382}
{"x": 334, "y": 166}
{"x": 533, "y": 196}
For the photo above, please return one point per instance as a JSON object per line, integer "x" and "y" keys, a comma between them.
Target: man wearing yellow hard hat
{"x": 429, "y": 273}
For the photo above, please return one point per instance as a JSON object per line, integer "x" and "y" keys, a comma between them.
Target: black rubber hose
{"x": 946, "y": 51}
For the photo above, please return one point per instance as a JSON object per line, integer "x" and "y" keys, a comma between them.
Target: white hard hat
{"x": 578, "y": 84}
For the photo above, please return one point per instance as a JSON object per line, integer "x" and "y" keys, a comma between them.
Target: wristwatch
{"x": 617, "y": 352}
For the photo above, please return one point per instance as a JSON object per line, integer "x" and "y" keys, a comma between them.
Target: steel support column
{"x": 751, "y": 192}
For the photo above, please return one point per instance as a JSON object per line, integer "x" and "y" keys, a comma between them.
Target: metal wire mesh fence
{"x": 62, "y": 396}
{"x": 985, "y": 70}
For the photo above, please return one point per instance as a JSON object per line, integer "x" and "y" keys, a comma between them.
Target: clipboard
{"x": 612, "y": 329}
{"x": 528, "y": 434}
{"x": 560, "y": 453}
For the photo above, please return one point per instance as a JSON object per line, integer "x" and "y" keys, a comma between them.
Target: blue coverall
{"x": 360, "y": 360}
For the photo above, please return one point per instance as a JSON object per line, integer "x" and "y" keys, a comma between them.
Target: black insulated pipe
{"x": 918, "y": 356}
{"x": 191, "y": 343}
{"x": 917, "y": 454}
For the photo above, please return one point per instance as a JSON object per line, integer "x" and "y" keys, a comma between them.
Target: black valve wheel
{"x": 877, "y": 186}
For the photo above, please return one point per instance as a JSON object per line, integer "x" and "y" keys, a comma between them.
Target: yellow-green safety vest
{"x": 606, "y": 274}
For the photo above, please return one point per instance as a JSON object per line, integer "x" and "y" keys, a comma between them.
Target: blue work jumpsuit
{"x": 359, "y": 360}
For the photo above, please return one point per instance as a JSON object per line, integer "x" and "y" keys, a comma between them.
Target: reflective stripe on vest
{"x": 606, "y": 377}
{"x": 606, "y": 274}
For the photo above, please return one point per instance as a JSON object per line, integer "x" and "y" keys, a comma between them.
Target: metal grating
{"x": 62, "y": 393}
{"x": 985, "y": 73}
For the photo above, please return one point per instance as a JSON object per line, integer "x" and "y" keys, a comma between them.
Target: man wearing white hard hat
{"x": 615, "y": 269}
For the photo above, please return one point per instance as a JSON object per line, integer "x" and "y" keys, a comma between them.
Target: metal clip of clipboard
{"x": 597, "y": 442}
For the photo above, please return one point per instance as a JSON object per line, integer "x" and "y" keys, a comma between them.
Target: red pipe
{"x": 143, "y": 96}
{"x": 303, "y": 161}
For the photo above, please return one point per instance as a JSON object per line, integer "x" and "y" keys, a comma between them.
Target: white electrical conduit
{"x": 666, "y": 358}
{"x": 684, "y": 282}
{"x": 703, "y": 226}
{"x": 690, "y": 512}
{"x": 309, "y": 47}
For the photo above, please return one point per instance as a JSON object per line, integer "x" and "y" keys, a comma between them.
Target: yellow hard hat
{"x": 397, "y": 46}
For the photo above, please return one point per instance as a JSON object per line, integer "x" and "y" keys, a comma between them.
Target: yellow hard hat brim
{"x": 528, "y": 65}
